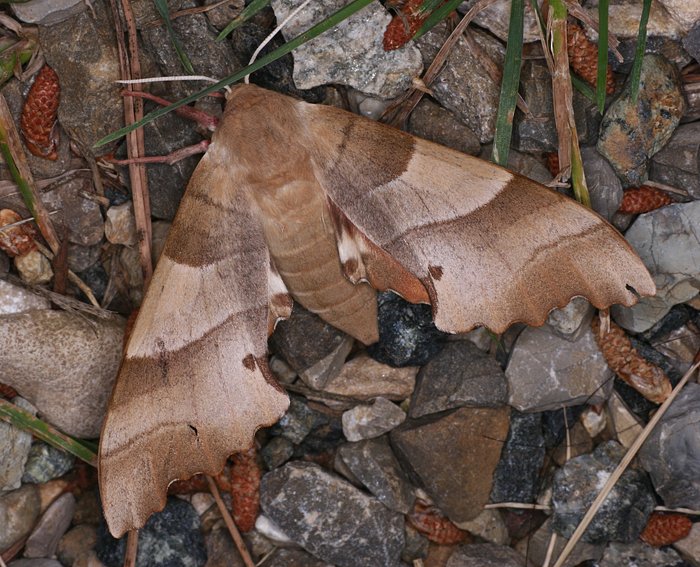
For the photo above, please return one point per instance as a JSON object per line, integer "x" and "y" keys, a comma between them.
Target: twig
{"x": 233, "y": 530}
{"x": 624, "y": 463}
{"x": 132, "y": 546}
{"x": 72, "y": 276}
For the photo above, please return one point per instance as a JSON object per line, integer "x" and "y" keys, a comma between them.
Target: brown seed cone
{"x": 647, "y": 378}
{"x": 643, "y": 199}
{"x": 245, "y": 488}
{"x": 665, "y": 529}
{"x": 429, "y": 521}
{"x": 38, "y": 121}
{"x": 17, "y": 240}
{"x": 404, "y": 25}
{"x": 583, "y": 57}
{"x": 7, "y": 391}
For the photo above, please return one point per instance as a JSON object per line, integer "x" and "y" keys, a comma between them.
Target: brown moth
{"x": 294, "y": 200}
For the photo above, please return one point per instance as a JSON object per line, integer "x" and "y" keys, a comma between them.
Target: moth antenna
{"x": 274, "y": 32}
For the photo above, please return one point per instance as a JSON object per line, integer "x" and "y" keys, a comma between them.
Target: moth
{"x": 312, "y": 203}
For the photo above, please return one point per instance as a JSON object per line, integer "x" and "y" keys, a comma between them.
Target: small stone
{"x": 17, "y": 299}
{"x": 120, "y": 224}
{"x": 604, "y": 185}
{"x": 351, "y": 53}
{"x": 594, "y": 421}
{"x": 64, "y": 364}
{"x": 691, "y": 42}
{"x": 624, "y": 513}
{"x": 626, "y": 425}
{"x": 666, "y": 241}
{"x": 81, "y": 258}
{"x": 685, "y": 13}
{"x": 49, "y": 491}
{"x": 14, "y": 449}
{"x": 365, "y": 105}
{"x": 221, "y": 551}
{"x": 485, "y": 555}
{"x": 293, "y": 558}
{"x": 373, "y": 463}
{"x": 34, "y": 268}
{"x": 464, "y": 86}
{"x": 460, "y": 375}
{"x": 571, "y": 322}
{"x": 364, "y": 378}
{"x": 640, "y": 555}
{"x": 39, "y": 562}
{"x": 517, "y": 475}
{"x": 689, "y": 547}
{"x": 47, "y": 12}
{"x": 312, "y": 347}
{"x": 407, "y": 334}
{"x": 624, "y": 18}
{"x": 270, "y": 530}
{"x": 171, "y": 538}
{"x": 44, "y": 539}
{"x": 632, "y": 132}
{"x": 80, "y": 215}
{"x": 76, "y": 542}
{"x": 298, "y": 421}
{"x": 495, "y": 17}
{"x": 578, "y": 442}
{"x": 672, "y": 451}
{"x": 488, "y": 525}
{"x": 548, "y": 372}
{"x": 367, "y": 422}
{"x": 678, "y": 162}
{"x": 88, "y": 510}
{"x": 432, "y": 122}
{"x": 470, "y": 439}
{"x": 45, "y": 463}
{"x": 536, "y": 547}
{"x": 331, "y": 518}
{"x": 277, "y": 452}
{"x": 19, "y": 510}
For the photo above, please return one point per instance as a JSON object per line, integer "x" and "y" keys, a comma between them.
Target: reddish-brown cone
{"x": 583, "y": 57}
{"x": 404, "y": 25}
{"x": 665, "y": 529}
{"x": 17, "y": 240}
{"x": 245, "y": 488}
{"x": 38, "y": 121}
{"x": 429, "y": 521}
{"x": 643, "y": 199}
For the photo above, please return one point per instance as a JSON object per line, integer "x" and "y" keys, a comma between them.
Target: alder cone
{"x": 583, "y": 57}
{"x": 245, "y": 488}
{"x": 643, "y": 199}
{"x": 404, "y": 25}
{"x": 647, "y": 378}
{"x": 665, "y": 529}
{"x": 429, "y": 521}
{"x": 38, "y": 121}
{"x": 18, "y": 240}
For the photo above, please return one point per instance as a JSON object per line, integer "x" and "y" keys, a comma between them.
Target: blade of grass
{"x": 639, "y": 53}
{"x": 509, "y": 84}
{"x": 282, "y": 50}
{"x": 437, "y": 16}
{"x": 584, "y": 88}
{"x": 164, "y": 11}
{"x": 248, "y": 12}
{"x": 25, "y": 421}
{"x": 601, "y": 80}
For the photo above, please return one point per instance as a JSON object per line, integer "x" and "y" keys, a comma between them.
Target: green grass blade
{"x": 584, "y": 88}
{"x": 437, "y": 16}
{"x": 282, "y": 50}
{"x": 602, "y": 82}
{"x": 248, "y": 12}
{"x": 509, "y": 84}
{"x": 41, "y": 430}
{"x": 163, "y": 10}
{"x": 641, "y": 48}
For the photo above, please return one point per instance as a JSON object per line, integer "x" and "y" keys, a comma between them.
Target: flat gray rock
{"x": 367, "y": 422}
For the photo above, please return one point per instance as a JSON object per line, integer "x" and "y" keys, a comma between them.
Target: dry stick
{"x": 233, "y": 530}
{"x": 72, "y": 276}
{"x": 133, "y": 111}
{"x": 404, "y": 108}
{"x": 624, "y": 463}
{"x": 132, "y": 546}
{"x": 33, "y": 201}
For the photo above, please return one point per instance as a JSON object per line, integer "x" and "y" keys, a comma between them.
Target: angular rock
{"x": 34, "y": 268}
{"x": 485, "y": 555}
{"x": 42, "y": 562}
{"x": 44, "y": 539}
{"x": 81, "y": 258}
{"x": 495, "y": 17}
{"x": 516, "y": 478}
{"x": 470, "y": 439}
{"x": 19, "y": 511}
{"x": 277, "y": 452}
{"x": 47, "y": 12}
{"x": 367, "y": 422}
{"x": 570, "y": 322}
{"x": 171, "y": 538}
{"x": 691, "y": 42}
{"x": 64, "y": 364}
{"x": 548, "y": 372}
{"x": 76, "y": 542}
{"x": 489, "y": 526}
{"x": 80, "y": 215}
{"x": 633, "y": 132}
{"x": 120, "y": 224}
{"x": 689, "y": 546}
{"x": 432, "y": 122}
{"x": 298, "y": 421}
{"x": 603, "y": 183}
{"x": 464, "y": 86}
{"x": 678, "y": 162}
{"x": 626, "y": 425}
{"x": 672, "y": 451}
{"x": 312, "y": 347}
{"x": 666, "y": 241}
{"x": 639, "y": 554}
{"x": 292, "y": 558}
{"x": 624, "y": 20}
{"x": 624, "y": 513}
{"x": 407, "y": 334}
{"x": 17, "y": 299}
{"x": 350, "y": 53}
{"x": 331, "y": 518}
{"x": 373, "y": 463}
{"x": 221, "y": 551}
{"x": 460, "y": 375}
{"x": 15, "y": 445}
{"x": 536, "y": 547}
{"x": 45, "y": 463}
{"x": 364, "y": 378}
{"x": 685, "y": 13}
